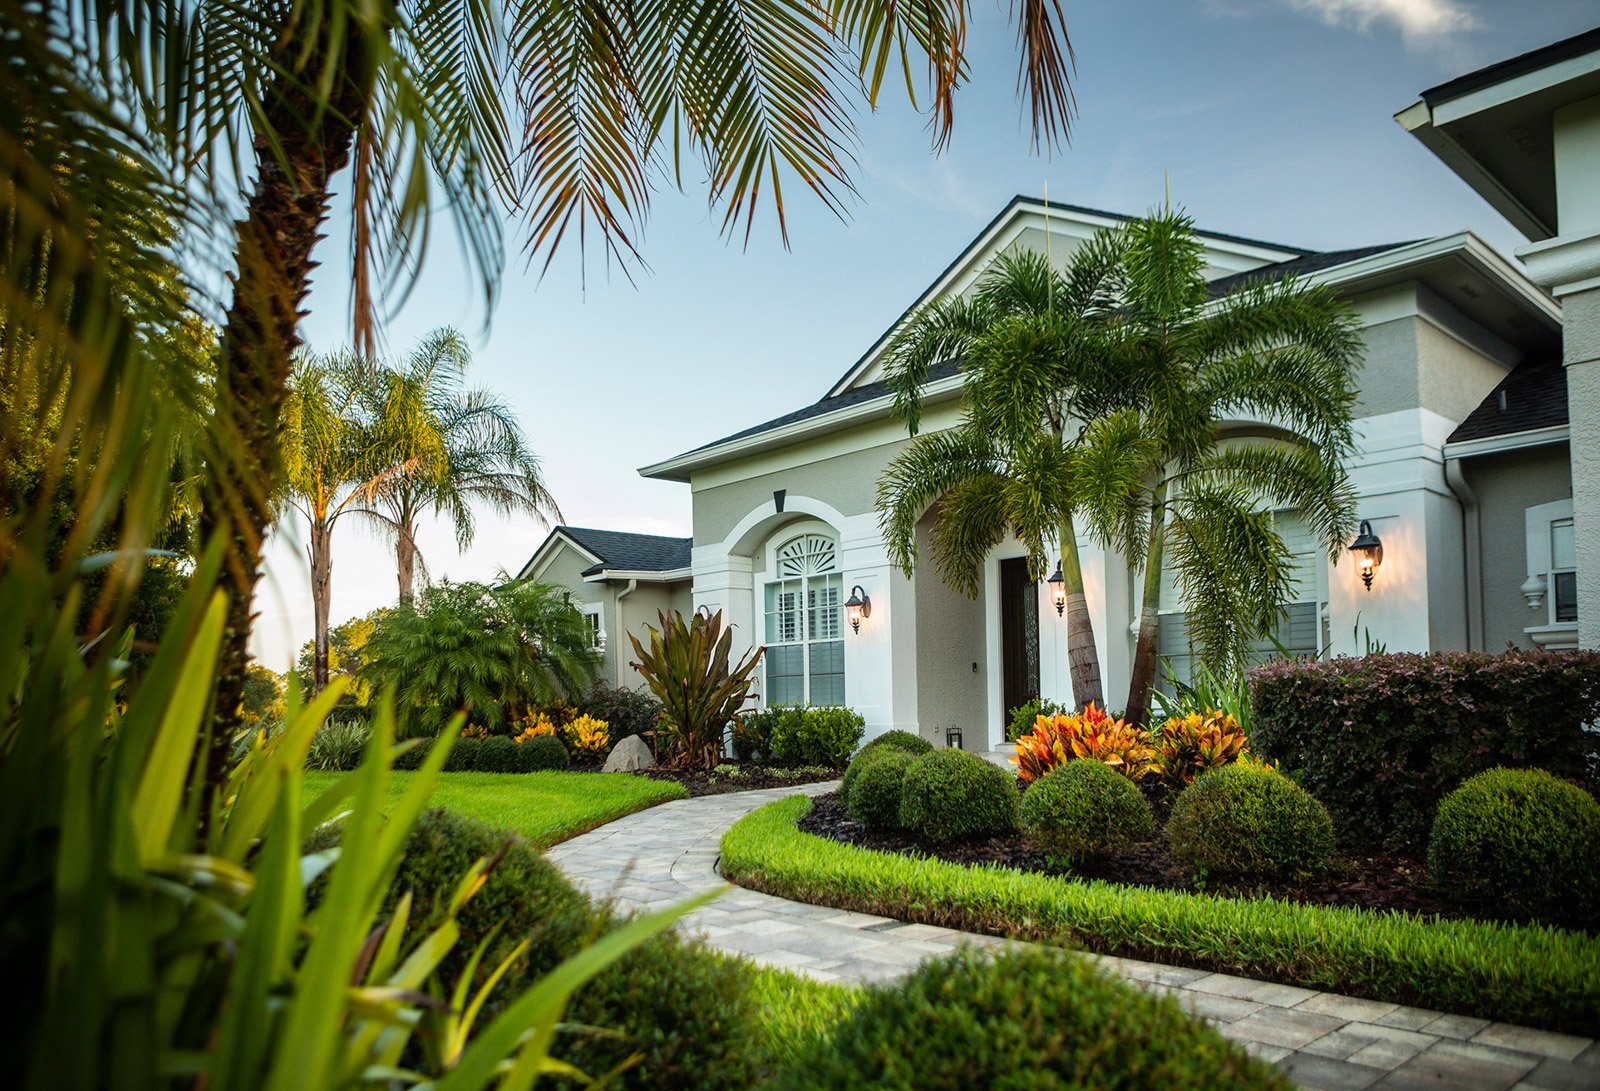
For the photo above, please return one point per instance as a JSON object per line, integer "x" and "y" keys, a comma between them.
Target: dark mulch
{"x": 751, "y": 776}
{"x": 1373, "y": 882}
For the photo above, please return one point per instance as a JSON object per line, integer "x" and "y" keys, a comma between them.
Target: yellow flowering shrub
{"x": 587, "y": 736}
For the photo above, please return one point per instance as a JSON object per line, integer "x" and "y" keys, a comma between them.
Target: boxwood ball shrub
{"x": 1248, "y": 821}
{"x": 684, "y": 1008}
{"x": 1085, "y": 808}
{"x": 816, "y": 736}
{"x": 540, "y": 753}
{"x": 498, "y": 754}
{"x": 874, "y": 798}
{"x": 1520, "y": 841}
{"x": 1024, "y": 1018}
{"x": 1381, "y": 740}
{"x": 414, "y": 757}
{"x": 951, "y": 795}
{"x": 463, "y": 756}
{"x": 903, "y": 741}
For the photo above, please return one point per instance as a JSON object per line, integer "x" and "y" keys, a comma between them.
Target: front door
{"x": 1019, "y": 635}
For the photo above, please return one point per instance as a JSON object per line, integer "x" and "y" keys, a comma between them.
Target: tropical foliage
{"x": 492, "y": 651}
{"x": 1092, "y": 733}
{"x": 1190, "y": 745}
{"x": 688, "y": 665}
{"x": 1029, "y": 342}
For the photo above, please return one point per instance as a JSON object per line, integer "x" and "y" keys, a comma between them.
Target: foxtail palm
{"x": 1027, "y": 338}
{"x": 1157, "y": 477}
{"x": 452, "y": 449}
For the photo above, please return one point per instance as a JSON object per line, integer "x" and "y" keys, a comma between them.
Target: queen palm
{"x": 452, "y": 449}
{"x": 1155, "y": 474}
{"x": 1028, "y": 339}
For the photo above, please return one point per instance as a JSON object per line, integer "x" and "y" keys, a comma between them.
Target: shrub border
{"x": 1529, "y": 974}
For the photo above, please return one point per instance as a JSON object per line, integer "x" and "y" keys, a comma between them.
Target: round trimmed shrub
{"x": 951, "y": 795}
{"x": 903, "y": 741}
{"x": 498, "y": 754}
{"x": 1032, "y": 1017}
{"x": 414, "y": 757}
{"x": 1522, "y": 841}
{"x": 463, "y": 756}
{"x": 874, "y": 799}
{"x": 1085, "y": 808}
{"x": 1249, "y": 821}
{"x": 540, "y": 753}
{"x": 687, "y": 1010}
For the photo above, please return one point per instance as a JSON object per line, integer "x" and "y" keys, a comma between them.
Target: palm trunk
{"x": 321, "y": 551}
{"x": 283, "y": 221}
{"x": 405, "y": 563}
{"x": 1144, "y": 651}
{"x": 1083, "y": 659}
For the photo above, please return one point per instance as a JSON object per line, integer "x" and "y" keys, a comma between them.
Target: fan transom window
{"x": 805, "y": 624}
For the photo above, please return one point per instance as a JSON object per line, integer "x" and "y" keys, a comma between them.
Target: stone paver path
{"x": 661, "y": 855}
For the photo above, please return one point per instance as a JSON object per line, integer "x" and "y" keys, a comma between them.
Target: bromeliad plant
{"x": 1190, "y": 745}
{"x": 1092, "y": 733}
{"x": 687, "y": 668}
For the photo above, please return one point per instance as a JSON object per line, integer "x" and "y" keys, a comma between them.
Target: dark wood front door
{"x": 1019, "y": 634}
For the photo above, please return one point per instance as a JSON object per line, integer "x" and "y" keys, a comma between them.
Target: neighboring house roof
{"x": 621, "y": 553}
{"x": 1302, "y": 266}
{"x": 1532, "y": 397}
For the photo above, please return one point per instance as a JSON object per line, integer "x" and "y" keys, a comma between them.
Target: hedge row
{"x": 1527, "y": 974}
{"x": 1381, "y": 740}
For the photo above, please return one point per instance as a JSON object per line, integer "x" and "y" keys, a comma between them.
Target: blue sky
{"x": 1271, "y": 119}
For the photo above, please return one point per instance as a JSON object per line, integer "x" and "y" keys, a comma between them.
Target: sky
{"x": 1271, "y": 119}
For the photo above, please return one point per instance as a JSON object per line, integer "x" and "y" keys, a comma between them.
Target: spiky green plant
{"x": 687, "y": 666}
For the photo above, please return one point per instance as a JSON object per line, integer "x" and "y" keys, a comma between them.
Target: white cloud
{"x": 1419, "y": 21}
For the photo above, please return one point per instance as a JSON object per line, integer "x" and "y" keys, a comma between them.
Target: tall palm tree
{"x": 1027, "y": 339}
{"x": 451, "y": 449}
{"x": 1155, "y": 474}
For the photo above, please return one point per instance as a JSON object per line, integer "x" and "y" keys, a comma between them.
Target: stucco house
{"x": 1461, "y": 469}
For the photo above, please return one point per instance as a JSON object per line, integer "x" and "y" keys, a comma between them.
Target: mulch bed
{"x": 752, "y": 776}
{"x": 1373, "y": 882}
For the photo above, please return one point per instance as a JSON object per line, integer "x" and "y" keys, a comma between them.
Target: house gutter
{"x": 624, "y": 593}
{"x": 1472, "y": 547}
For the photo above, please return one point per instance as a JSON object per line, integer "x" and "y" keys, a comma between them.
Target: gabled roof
{"x": 1532, "y": 396}
{"x": 621, "y": 552}
{"x": 1301, "y": 266}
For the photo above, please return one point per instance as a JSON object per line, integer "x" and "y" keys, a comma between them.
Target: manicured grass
{"x": 543, "y": 807}
{"x": 793, "y": 1010}
{"x": 1529, "y": 974}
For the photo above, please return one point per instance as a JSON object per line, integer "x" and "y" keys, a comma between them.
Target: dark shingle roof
{"x": 1302, "y": 266}
{"x": 854, "y": 396}
{"x": 1534, "y": 395}
{"x": 1500, "y": 71}
{"x": 628, "y": 552}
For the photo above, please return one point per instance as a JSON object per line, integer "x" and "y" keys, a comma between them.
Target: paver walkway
{"x": 661, "y": 855}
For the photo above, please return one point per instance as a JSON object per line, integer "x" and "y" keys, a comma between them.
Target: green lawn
{"x": 543, "y": 807}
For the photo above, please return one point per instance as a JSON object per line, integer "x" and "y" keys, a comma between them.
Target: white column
{"x": 880, "y": 661}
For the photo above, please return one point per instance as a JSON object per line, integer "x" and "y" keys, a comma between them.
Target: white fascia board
{"x": 668, "y": 575}
{"x": 1513, "y": 441}
{"x": 546, "y": 551}
{"x": 677, "y": 468}
{"x": 1517, "y": 87}
{"x": 1465, "y": 244}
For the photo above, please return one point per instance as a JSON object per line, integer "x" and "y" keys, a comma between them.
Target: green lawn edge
{"x": 1528, "y": 974}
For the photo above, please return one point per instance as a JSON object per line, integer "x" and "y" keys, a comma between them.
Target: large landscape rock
{"x": 629, "y": 754}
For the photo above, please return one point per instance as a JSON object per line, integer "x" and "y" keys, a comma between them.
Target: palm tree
{"x": 1028, "y": 338}
{"x": 1155, "y": 475}
{"x": 463, "y": 448}
{"x": 330, "y": 469}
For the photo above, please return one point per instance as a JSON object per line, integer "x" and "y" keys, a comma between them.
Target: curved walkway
{"x": 658, "y": 856}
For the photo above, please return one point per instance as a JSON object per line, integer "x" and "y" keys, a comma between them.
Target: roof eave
{"x": 1510, "y": 441}
{"x": 643, "y": 575}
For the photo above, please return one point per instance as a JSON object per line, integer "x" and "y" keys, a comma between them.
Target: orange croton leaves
{"x": 1092, "y": 733}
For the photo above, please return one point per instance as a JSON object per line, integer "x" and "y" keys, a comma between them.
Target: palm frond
{"x": 919, "y": 477}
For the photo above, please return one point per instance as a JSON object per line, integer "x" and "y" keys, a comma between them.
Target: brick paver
{"x": 658, "y": 856}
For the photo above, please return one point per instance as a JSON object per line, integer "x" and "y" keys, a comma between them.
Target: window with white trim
{"x": 805, "y": 624}
{"x": 1552, "y": 584}
{"x": 1563, "y": 572}
{"x": 597, "y": 635}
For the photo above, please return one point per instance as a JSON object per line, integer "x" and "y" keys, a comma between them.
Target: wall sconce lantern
{"x": 1058, "y": 590}
{"x": 856, "y": 607}
{"x": 1368, "y": 548}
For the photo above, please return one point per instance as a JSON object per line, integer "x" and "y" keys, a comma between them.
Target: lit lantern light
{"x": 856, "y": 607}
{"x": 1368, "y": 548}
{"x": 1058, "y": 590}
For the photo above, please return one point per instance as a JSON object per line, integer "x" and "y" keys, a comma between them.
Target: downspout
{"x": 622, "y": 660}
{"x": 1472, "y": 544}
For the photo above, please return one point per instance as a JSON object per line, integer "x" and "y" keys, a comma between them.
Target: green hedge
{"x": 816, "y": 736}
{"x": 1381, "y": 740}
{"x": 1526, "y": 974}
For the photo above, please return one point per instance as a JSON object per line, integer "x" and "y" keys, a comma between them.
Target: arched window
{"x": 805, "y": 624}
